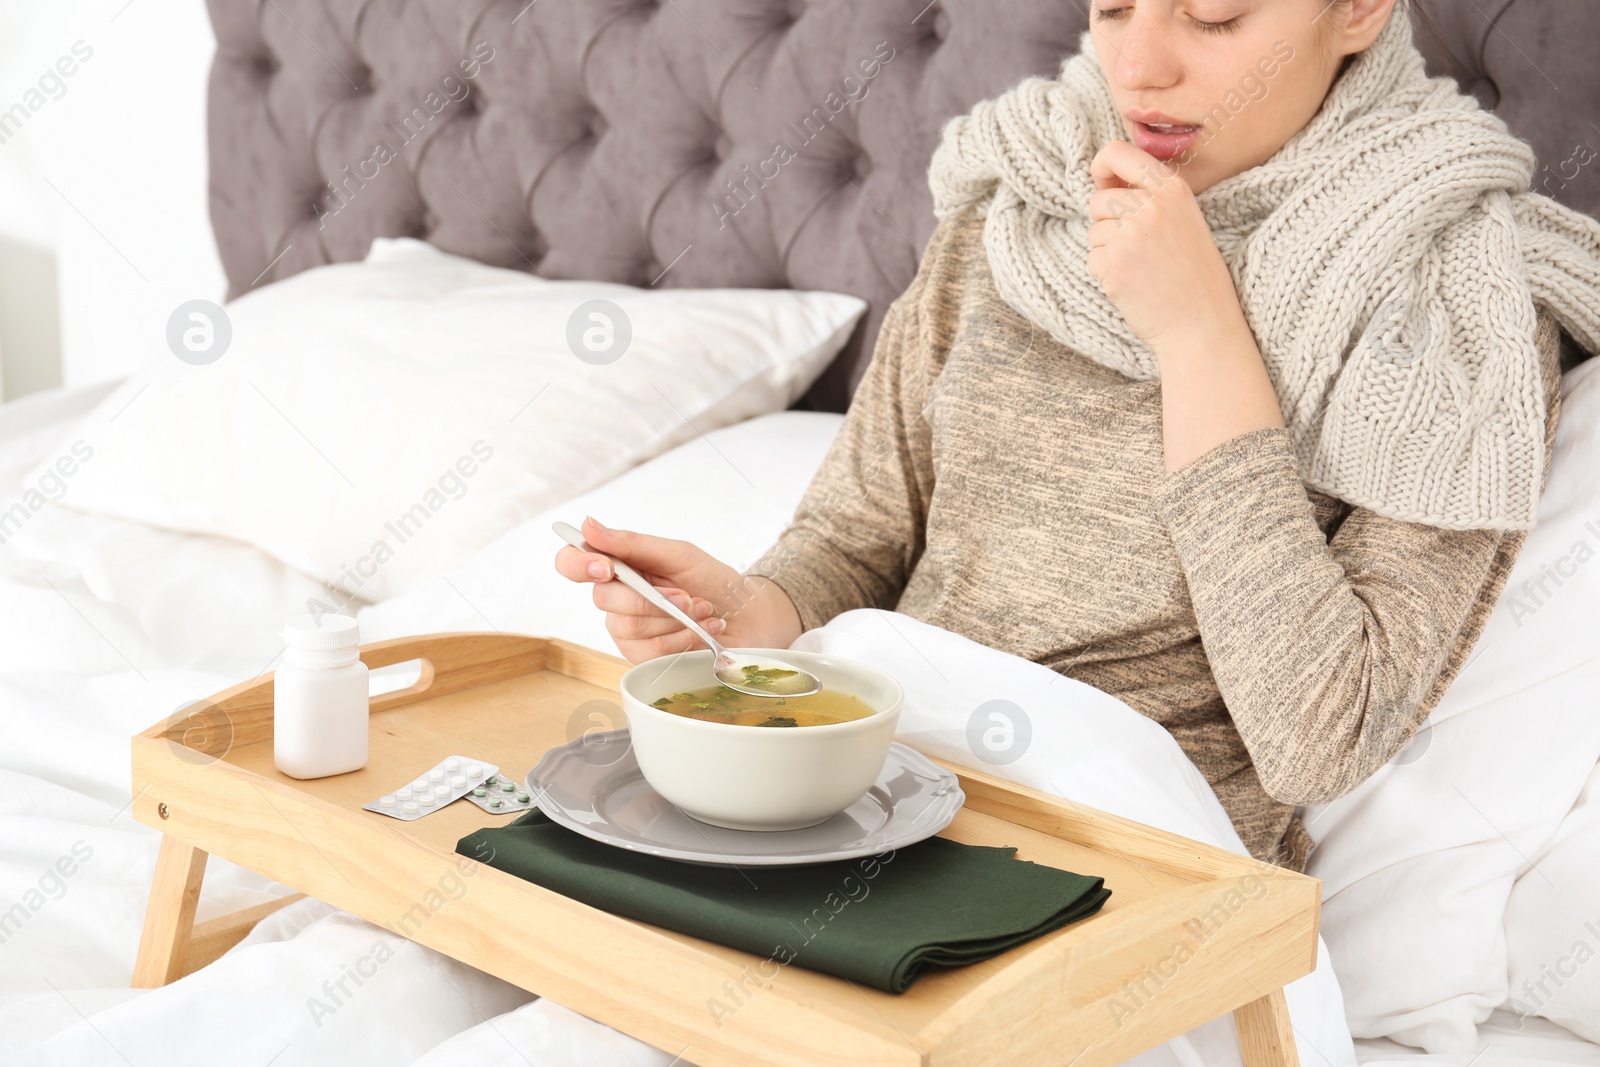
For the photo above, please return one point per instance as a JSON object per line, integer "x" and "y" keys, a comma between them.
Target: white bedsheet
{"x": 111, "y": 625}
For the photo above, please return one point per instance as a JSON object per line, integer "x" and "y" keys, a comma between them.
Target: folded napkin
{"x": 882, "y": 920}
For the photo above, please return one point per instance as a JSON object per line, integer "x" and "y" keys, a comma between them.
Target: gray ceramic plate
{"x": 594, "y": 786}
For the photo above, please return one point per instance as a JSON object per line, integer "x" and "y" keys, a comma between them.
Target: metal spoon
{"x": 729, "y": 667}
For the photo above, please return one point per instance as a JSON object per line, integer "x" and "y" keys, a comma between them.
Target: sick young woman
{"x": 1226, "y": 385}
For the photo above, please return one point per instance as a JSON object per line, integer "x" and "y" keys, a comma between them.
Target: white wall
{"x": 103, "y": 221}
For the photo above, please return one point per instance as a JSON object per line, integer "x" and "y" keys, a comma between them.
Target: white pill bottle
{"x": 319, "y": 698}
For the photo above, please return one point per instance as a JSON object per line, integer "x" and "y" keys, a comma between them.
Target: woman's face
{"x": 1243, "y": 75}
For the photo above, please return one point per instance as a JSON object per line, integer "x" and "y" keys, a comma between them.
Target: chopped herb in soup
{"x": 720, "y": 704}
{"x": 768, "y": 679}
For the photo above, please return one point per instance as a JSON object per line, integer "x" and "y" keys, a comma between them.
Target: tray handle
{"x": 453, "y": 662}
{"x": 242, "y": 714}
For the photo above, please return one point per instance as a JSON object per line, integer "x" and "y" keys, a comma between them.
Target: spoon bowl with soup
{"x": 757, "y": 762}
{"x": 745, "y": 670}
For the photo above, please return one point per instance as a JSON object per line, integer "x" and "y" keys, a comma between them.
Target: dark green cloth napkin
{"x": 881, "y": 920}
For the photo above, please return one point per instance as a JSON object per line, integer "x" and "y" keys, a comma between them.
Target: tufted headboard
{"x": 639, "y": 142}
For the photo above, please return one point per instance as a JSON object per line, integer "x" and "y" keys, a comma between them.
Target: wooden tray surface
{"x": 1189, "y": 932}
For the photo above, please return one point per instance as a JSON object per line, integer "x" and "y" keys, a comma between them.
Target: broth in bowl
{"x": 761, "y": 779}
{"x": 718, "y": 703}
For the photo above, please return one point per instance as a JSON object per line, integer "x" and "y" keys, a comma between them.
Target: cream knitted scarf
{"x": 1388, "y": 260}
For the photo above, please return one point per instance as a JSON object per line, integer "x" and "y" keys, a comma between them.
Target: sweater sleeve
{"x": 1329, "y": 652}
{"x": 858, "y": 530}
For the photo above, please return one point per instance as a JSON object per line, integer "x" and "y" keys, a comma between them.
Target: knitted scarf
{"x": 1388, "y": 260}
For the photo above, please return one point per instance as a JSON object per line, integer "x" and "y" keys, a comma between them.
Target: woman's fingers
{"x": 1101, "y": 233}
{"x": 645, "y": 553}
{"x": 645, "y": 627}
{"x": 1114, "y": 205}
{"x": 574, "y": 564}
{"x": 641, "y": 629}
{"x": 684, "y": 640}
{"x": 617, "y": 598}
{"x": 642, "y": 552}
{"x": 640, "y": 650}
{"x": 631, "y": 617}
{"x": 1125, "y": 164}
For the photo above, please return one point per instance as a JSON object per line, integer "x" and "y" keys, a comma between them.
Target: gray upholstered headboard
{"x": 636, "y": 141}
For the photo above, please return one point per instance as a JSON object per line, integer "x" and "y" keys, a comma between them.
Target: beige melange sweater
{"x": 993, "y": 482}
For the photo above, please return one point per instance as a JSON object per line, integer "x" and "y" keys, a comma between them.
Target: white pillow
{"x": 374, "y": 423}
{"x": 511, "y": 585}
{"x": 1553, "y": 924}
{"x": 1418, "y": 862}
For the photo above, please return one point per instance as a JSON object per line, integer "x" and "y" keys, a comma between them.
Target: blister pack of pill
{"x": 500, "y": 794}
{"x": 452, "y": 779}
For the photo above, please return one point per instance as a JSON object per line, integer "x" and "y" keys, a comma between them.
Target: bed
{"x": 606, "y": 141}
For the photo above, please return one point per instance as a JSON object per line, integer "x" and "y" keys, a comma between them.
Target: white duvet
{"x": 111, "y": 625}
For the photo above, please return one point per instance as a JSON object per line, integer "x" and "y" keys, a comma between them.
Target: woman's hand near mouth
{"x": 1152, "y": 251}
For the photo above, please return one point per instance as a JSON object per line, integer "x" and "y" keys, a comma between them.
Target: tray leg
{"x": 169, "y": 920}
{"x": 172, "y": 944}
{"x": 213, "y": 938}
{"x": 1265, "y": 1036}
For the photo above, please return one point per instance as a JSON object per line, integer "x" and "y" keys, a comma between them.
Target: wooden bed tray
{"x": 1190, "y": 931}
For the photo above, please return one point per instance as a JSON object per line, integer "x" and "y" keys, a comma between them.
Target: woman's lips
{"x": 1165, "y": 145}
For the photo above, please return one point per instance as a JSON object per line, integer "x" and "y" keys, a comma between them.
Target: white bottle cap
{"x": 321, "y": 639}
{"x": 321, "y": 630}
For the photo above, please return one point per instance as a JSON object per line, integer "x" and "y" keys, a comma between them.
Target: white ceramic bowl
{"x": 755, "y": 778}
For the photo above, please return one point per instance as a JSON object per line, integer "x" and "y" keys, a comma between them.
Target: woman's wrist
{"x": 1214, "y": 387}
{"x": 762, "y": 613}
